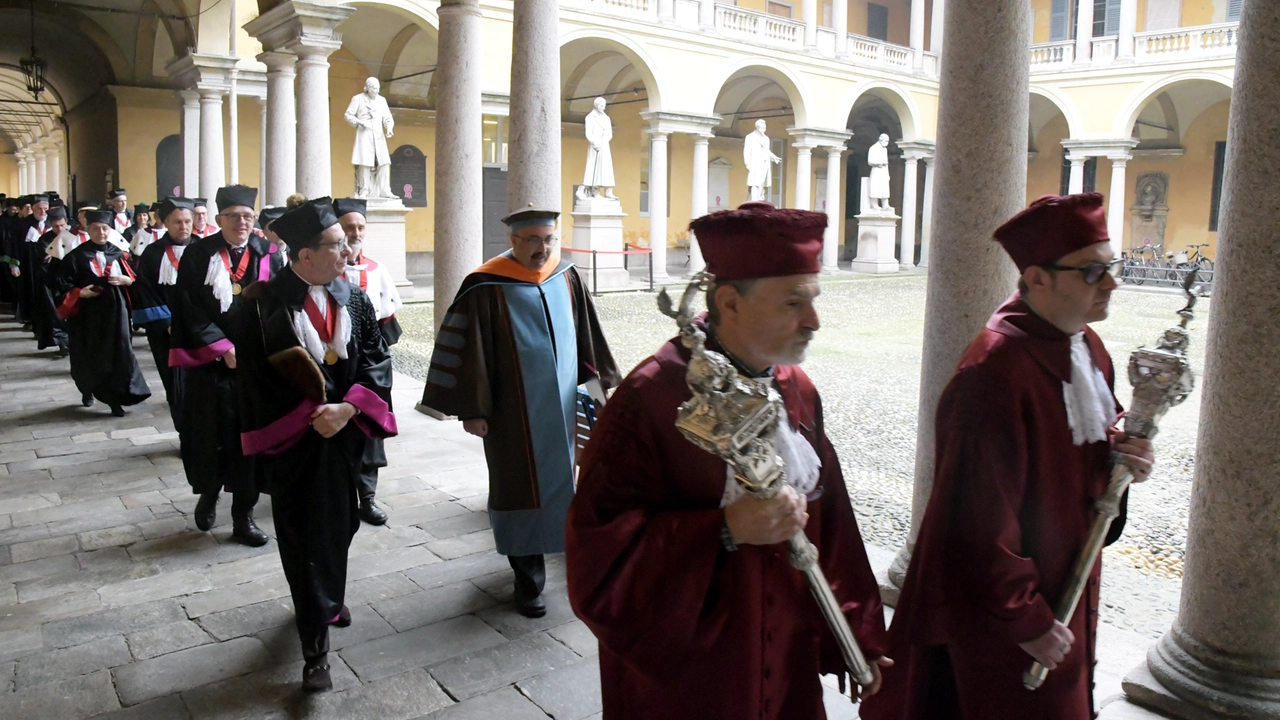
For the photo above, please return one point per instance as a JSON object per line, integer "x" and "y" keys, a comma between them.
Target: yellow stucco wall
{"x": 9, "y": 174}
{"x": 1044, "y": 171}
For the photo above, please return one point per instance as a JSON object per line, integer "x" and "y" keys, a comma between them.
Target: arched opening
{"x": 1047, "y": 166}
{"x": 874, "y": 114}
{"x": 749, "y": 96}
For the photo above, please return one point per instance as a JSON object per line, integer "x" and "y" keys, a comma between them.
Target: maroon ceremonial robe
{"x": 688, "y": 629}
{"x": 1011, "y": 507}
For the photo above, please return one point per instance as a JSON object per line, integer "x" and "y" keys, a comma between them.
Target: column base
{"x": 1187, "y": 680}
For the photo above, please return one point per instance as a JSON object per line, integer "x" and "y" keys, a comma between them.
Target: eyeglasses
{"x": 339, "y": 244}
{"x": 548, "y": 240}
{"x": 1093, "y": 272}
{"x": 239, "y": 217}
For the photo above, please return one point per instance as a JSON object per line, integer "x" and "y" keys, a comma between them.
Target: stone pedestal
{"x": 384, "y": 239}
{"x": 876, "y": 237}
{"x": 597, "y": 225}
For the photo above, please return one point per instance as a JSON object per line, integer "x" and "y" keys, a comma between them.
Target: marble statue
{"x": 878, "y": 186}
{"x": 369, "y": 115}
{"x": 597, "y": 180}
{"x": 757, "y": 156}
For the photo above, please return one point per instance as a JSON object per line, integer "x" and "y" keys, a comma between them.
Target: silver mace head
{"x": 1161, "y": 376}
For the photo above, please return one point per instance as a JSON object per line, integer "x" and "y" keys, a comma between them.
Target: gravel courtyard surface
{"x": 866, "y": 362}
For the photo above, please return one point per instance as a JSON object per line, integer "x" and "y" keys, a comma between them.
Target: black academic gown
{"x": 151, "y": 302}
{"x": 8, "y": 283}
{"x": 312, "y": 480}
{"x": 102, "y": 359}
{"x": 201, "y": 332}
{"x": 26, "y": 254}
{"x": 45, "y": 323}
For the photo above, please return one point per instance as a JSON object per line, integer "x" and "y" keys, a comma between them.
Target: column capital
{"x": 190, "y": 98}
{"x": 1110, "y": 148}
{"x": 200, "y": 71}
{"x": 818, "y": 137}
{"x": 278, "y": 61}
{"x": 676, "y": 122}
{"x": 917, "y": 149}
{"x": 293, "y": 25}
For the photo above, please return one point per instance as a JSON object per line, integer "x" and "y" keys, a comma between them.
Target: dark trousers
{"x": 531, "y": 575}
{"x": 159, "y": 341}
{"x": 375, "y": 456}
{"x": 210, "y": 437}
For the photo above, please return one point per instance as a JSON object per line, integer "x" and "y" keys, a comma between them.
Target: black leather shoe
{"x": 343, "y": 619}
{"x": 371, "y": 513}
{"x": 86, "y": 399}
{"x": 534, "y": 608}
{"x": 315, "y": 675}
{"x": 62, "y": 352}
{"x": 245, "y": 531}
{"x": 117, "y": 411}
{"x": 206, "y": 511}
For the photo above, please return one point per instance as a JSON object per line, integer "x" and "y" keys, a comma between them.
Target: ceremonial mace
{"x": 735, "y": 418}
{"x": 1161, "y": 378}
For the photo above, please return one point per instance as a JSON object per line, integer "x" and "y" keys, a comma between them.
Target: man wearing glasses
{"x": 212, "y": 275}
{"x": 1026, "y": 439}
{"x": 519, "y": 339}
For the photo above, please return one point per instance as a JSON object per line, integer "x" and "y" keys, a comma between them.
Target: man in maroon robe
{"x": 683, "y": 579}
{"x": 1025, "y": 436}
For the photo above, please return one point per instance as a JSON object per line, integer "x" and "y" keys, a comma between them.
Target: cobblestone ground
{"x": 866, "y": 362}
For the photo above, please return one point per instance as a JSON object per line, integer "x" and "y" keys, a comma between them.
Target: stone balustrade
{"x": 1048, "y": 57}
{"x": 879, "y": 53}
{"x": 1187, "y": 43}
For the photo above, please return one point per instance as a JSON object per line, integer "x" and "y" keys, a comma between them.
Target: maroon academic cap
{"x": 758, "y": 241}
{"x": 1054, "y": 225}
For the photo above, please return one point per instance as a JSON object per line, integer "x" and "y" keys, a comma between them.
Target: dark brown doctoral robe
{"x": 513, "y": 349}
{"x": 688, "y": 629}
{"x": 1011, "y": 507}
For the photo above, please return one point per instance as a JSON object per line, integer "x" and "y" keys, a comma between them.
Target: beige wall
{"x": 93, "y": 145}
{"x": 9, "y": 174}
{"x": 145, "y": 118}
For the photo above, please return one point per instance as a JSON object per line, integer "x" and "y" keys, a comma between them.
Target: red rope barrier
{"x": 641, "y": 251}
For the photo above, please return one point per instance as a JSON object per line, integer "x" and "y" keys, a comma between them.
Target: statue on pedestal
{"x": 369, "y": 115}
{"x": 878, "y": 185}
{"x": 757, "y": 156}
{"x": 597, "y": 180}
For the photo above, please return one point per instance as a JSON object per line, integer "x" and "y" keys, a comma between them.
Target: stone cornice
{"x": 917, "y": 149}
{"x": 294, "y": 25}
{"x": 1111, "y": 148}
{"x": 676, "y": 122}
{"x": 198, "y": 70}
{"x": 819, "y": 137}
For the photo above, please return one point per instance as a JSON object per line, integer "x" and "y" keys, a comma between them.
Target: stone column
{"x": 926, "y": 215}
{"x": 1116, "y": 205}
{"x": 280, "y": 146}
{"x": 42, "y": 166}
{"x": 1075, "y": 184}
{"x": 916, "y": 35}
{"x": 804, "y": 176}
{"x": 698, "y": 202}
{"x": 707, "y": 14}
{"x": 809, "y": 9}
{"x": 831, "y": 238}
{"x": 233, "y": 129}
{"x": 1128, "y": 26}
{"x": 981, "y": 183}
{"x": 534, "y": 124}
{"x": 1084, "y": 32}
{"x": 211, "y": 152}
{"x": 907, "y": 243}
{"x": 1221, "y": 659}
{"x": 935, "y": 26}
{"x": 55, "y": 174}
{"x": 840, "y": 21}
{"x": 459, "y": 165}
{"x": 24, "y": 187}
{"x": 190, "y": 142}
{"x": 262, "y": 144}
{"x": 314, "y": 168}
{"x": 658, "y": 202}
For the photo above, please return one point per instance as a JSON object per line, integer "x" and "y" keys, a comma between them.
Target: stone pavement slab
{"x": 569, "y": 693}
{"x": 496, "y": 667}
{"x": 189, "y": 668}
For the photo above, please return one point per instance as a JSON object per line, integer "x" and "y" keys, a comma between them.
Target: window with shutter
{"x": 1058, "y": 21}
{"x": 877, "y": 21}
{"x": 1219, "y": 167}
{"x": 1233, "y": 10}
{"x": 1106, "y": 18}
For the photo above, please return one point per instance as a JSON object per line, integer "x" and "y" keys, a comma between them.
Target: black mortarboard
{"x": 58, "y": 213}
{"x": 299, "y": 226}
{"x": 174, "y": 203}
{"x": 528, "y": 216}
{"x": 11, "y": 202}
{"x": 39, "y": 199}
{"x": 85, "y": 205}
{"x": 141, "y": 208}
{"x": 342, "y": 206}
{"x": 200, "y": 202}
{"x": 236, "y": 196}
{"x": 116, "y": 193}
{"x": 270, "y": 215}
{"x": 98, "y": 216}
